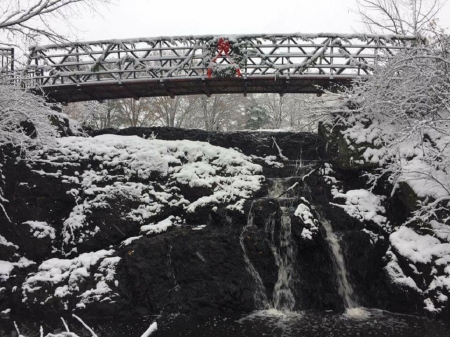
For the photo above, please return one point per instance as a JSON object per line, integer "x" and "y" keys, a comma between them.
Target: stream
{"x": 270, "y": 323}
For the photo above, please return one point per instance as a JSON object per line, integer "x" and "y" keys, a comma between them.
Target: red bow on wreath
{"x": 223, "y": 46}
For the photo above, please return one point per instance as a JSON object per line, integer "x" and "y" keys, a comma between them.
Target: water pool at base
{"x": 359, "y": 322}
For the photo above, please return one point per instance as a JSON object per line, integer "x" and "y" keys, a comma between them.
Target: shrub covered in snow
{"x": 24, "y": 120}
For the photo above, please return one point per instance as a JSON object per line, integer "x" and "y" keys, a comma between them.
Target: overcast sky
{"x": 148, "y": 18}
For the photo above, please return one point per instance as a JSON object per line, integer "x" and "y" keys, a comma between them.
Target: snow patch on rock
{"x": 419, "y": 248}
{"x": 66, "y": 278}
{"x": 6, "y": 243}
{"x": 161, "y": 226}
{"x": 430, "y": 252}
{"x": 303, "y": 211}
{"x": 41, "y": 229}
{"x": 148, "y": 176}
{"x": 364, "y": 206}
{"x": 5, "y": 270}
{"x": 7, "y": 267}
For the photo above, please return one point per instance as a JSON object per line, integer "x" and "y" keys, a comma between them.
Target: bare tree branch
{"x": 30, "y": 19}
{"x": 400, "y": 17}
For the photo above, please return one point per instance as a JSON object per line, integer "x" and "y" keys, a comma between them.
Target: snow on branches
{"x": 31, "y": 20}
{"x": 396, "y": 124}
{"x": 24, "y": 117}
{"x": 404, "y": 111}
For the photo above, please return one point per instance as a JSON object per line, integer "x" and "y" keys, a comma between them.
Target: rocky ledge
{"x": 158, "y": 220}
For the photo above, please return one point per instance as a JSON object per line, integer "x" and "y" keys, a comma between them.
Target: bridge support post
{"x": 245, "y": 89}
{"x": 206, "y": 88}
{"x": 166, "y": 89}
{"x": 128, "y": 91}
{"x": 285, "y": 87}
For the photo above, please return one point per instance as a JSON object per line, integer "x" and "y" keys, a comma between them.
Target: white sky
{"x": 149, "y": 18}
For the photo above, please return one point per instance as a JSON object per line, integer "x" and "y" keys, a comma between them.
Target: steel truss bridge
{"x": 188, "y": 65}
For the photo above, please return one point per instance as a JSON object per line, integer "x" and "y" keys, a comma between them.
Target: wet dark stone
{"x": 187, "y": 271}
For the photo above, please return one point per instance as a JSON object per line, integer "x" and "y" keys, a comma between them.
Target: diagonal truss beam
{"x": 168, "y": 61}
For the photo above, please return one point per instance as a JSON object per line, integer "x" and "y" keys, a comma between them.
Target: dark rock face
{"x": 184, "y": 272}
{"x": 342, "y": 151}
{"x": 198, "y": 264}
{"x": 295, "y": 146}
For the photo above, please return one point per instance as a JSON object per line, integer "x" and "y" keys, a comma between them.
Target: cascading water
{"x": 282, "y": 248}
{"x": 283, "y": 298}
{"x": 345, "y": 288}
{"x": 278, "y": 229}
{"x": 259, "y": 293}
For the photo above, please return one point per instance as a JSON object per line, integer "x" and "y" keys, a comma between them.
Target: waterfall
{"x": 259, "y": 293}
{"x": 278, "y": 231}
{"x": 283, "y": 298}
{"x": 345, "y": 288}
{"x": 282, "y": 249}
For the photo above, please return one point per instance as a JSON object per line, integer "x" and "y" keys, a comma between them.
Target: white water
{"x": 283, "y": 297}
{"x": 259, "y": 293}
{"x": 345, "y": 288}
{"x": 357, "y": 313}
{"x": 276, "y": 189}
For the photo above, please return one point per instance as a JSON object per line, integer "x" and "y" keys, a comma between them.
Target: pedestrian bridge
{"x": 188, "y": 65}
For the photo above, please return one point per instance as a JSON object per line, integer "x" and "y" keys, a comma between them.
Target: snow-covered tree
{"x": 214, "y": 110}
{"x": 31, "y": 20}
{"x": 277, "y": 107}
{"x": 308, "y": 110}
{"x": 403, "y": 110}
{"x": 300, "y": 112}
{"x": 257, "y": 117}
{"x": 94, "y": 114}
{"x": 24, "y": 117}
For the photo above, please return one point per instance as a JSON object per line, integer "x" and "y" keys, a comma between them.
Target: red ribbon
{"x": 223, "y": 46}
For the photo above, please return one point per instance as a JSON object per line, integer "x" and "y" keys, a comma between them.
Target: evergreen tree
{"x": 257, "y": 117}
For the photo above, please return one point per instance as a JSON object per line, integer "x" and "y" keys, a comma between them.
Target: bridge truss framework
{"x": 170, "y": 66}
{"x": 6, "y": 60}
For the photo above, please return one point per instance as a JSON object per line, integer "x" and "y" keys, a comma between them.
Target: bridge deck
{"x": 196, "y": 86}
{"x": 170, "y": 66}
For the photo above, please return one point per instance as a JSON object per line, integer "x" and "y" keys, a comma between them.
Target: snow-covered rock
{"x": 132, "y": 180}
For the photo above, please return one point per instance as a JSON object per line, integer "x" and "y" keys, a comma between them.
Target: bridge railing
{"x": 6, "y": 60}
{"x": 262, "y": 56}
